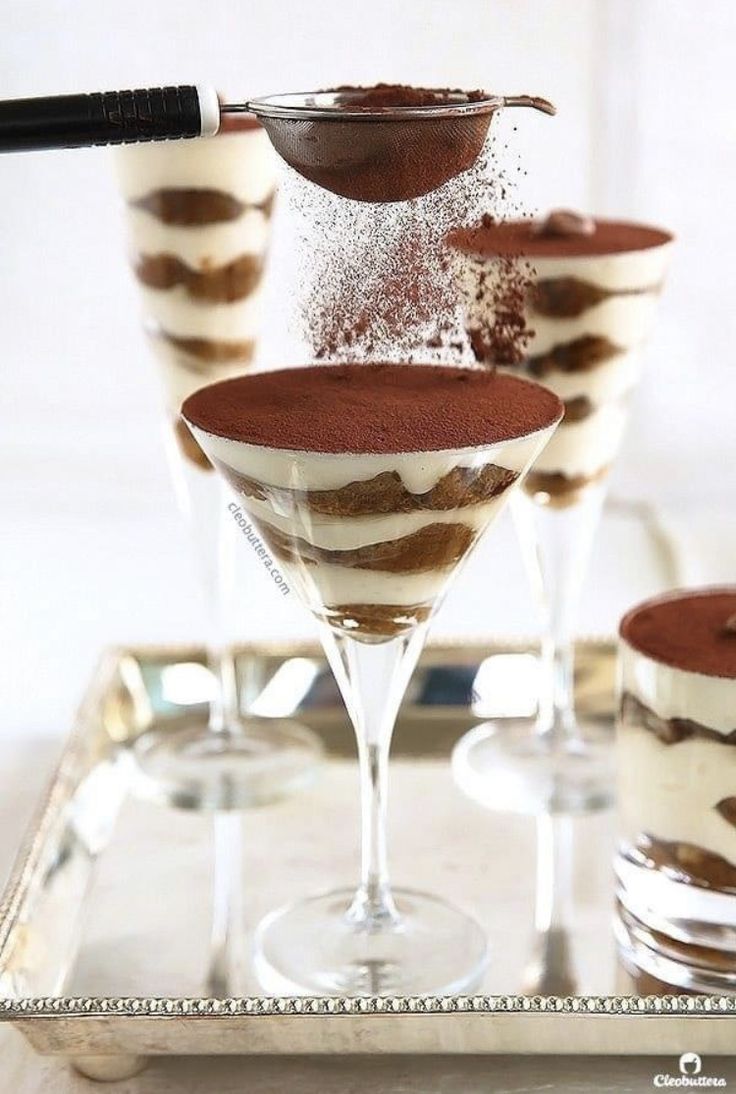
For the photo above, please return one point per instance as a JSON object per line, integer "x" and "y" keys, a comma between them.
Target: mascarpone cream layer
{"x": 674, "y": 693}
{"x": 584, "y": 447}
{"x": 176, "y": 313}
{"x": 419, "y": 471}
{"x": 201, "y": 247}
{"x": 240, "y": 163}
{"x": 670, "y": 792}
{"x": 623, "y": 320}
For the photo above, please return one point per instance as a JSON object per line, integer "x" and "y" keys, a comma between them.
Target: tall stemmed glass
{"x": 198, "y": 216}
{"x": 371, "y": 484}
{"x": 591, "y": 301}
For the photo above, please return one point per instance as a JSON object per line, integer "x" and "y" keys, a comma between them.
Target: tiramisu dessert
{"x": 199, "y": 223}
{"x": 371, "y": 483}
{"x": 589, "y": 292}
{"x": 677, "y": 772}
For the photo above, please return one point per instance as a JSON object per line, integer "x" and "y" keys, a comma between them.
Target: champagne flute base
{"x": 315, "y": 947}
{"x": 510, "y": 767}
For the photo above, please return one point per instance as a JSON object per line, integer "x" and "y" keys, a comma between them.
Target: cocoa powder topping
{"x": 687, "y": 630}
{"x": 381, "y": 408}
{"x": 523, "y": 237}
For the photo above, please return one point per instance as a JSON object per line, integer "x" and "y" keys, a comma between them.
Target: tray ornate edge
{"x": 137, "y": 1007}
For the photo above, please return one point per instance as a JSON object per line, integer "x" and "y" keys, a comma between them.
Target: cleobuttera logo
{"x": 690, "y": 1066}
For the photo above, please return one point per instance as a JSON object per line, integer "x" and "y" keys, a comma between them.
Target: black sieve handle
{"x": 107, "y": 117}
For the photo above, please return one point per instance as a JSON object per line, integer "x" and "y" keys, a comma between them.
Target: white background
{"x": 92, "y": 547}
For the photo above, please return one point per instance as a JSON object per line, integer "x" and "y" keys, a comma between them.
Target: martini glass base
{"x": 511, "y": 768}
{"x": 192, "y": 767}
{"x": 313, "y": 948}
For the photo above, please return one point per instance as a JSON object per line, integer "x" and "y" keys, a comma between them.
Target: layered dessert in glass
{"x": 590, "y": 305}
{"x": 569, "y": 301}
{"x": 370, "y": 484}
{"x": 370, "y": 516}
{"x": 198, "y": 216}
{"x": 676, "y": 750}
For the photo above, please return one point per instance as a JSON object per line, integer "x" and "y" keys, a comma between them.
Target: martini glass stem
{"x": 372, "y": 677}
{"x": 556, "y": 544}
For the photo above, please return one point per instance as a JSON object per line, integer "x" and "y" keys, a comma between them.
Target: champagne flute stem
{"x": 372, "y": 677}
{"x": 556, "y": 544}
{"x": 227, "y": 889}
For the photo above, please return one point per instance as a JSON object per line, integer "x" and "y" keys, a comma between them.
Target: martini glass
{"x": 198, "y": 216}
{"x": 591, "y": 302}
{"x": 371, "y": 484}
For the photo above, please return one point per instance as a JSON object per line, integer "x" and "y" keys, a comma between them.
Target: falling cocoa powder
{"x": 380, "y": 282}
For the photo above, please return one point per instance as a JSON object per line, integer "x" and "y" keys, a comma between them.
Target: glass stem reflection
{"x": 372, "y": 677}
{"x": 556, "y": 544}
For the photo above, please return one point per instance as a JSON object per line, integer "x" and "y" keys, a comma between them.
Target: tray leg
{"x": 109, "y": 1069}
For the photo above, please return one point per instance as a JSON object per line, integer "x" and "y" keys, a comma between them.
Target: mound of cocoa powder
{"x": 689, "y": 630}
{"x": 382, "y": 408}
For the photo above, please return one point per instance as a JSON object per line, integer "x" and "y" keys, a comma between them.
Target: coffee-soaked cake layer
{"x": 233, "y": 281}
{"x": 375, "y": 620}
{"x": 184, "y": 208}
{"x": 690, "y": 630}
{"x": 384, "y": 493}
{"x": 189, "y": 448}
{"x": 570, "y": 297}
{"x": 591, "y": 291}
{"x": 670, "y": 731}
{"x": 376, "y": 408}
{"x": 560, "y": 490}
{"x": 435, "y": 546}
{"x": 198, "y": 353}
{"x": 687, "y": 863}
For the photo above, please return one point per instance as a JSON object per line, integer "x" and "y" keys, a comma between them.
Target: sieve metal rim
{"x": 277, "y": 107}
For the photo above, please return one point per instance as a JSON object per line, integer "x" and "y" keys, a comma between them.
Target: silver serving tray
{"x": 104, "y": 923}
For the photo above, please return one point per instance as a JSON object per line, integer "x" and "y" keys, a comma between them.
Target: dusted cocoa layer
{"x": 385, "y": 493}
{"x": 694, "y": 631}
{"x": 436, "y": 546}
{"x": 373, "y": 408}
{"x": 581, "y": 355}
{"x": 562, "y": 489}
{"x": 186, "y": 208}
{"x": 570, "y": 297}
{"x": 376, "y": 620}
{"x": 670, "y": 731}
{"x": 511, "y": 238}
{"x": 189, "y": 447}
{"x": 221, "y": 285}
{"x": 687, "y": 863}
{"x": 211, "y": 351}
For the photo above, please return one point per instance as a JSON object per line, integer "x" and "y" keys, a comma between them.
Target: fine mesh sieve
{"x": 381, "y": 144}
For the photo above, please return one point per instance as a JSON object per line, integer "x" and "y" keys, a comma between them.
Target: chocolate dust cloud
{"x": 379, "y": 282}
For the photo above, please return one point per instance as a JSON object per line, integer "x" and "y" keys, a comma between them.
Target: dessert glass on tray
{"x": 676, "y": 862}
{"x": 370, "y": 484}
{"x": 198, "y": 216}
{"x": 591, "y": 296}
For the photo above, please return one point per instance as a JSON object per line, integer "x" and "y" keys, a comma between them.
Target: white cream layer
{"x": 201, "y": 247}
{"x": 177, "y": 313}
{"x": 419, "y": 471}
{"x": 584, "y": 447}
{"x": 610, "y": 380}
{"x": 332, "y": 584}
{"x": 670, "y": 792}
{"x": 241, "y": 163}
{"x": 674, "y": 693}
